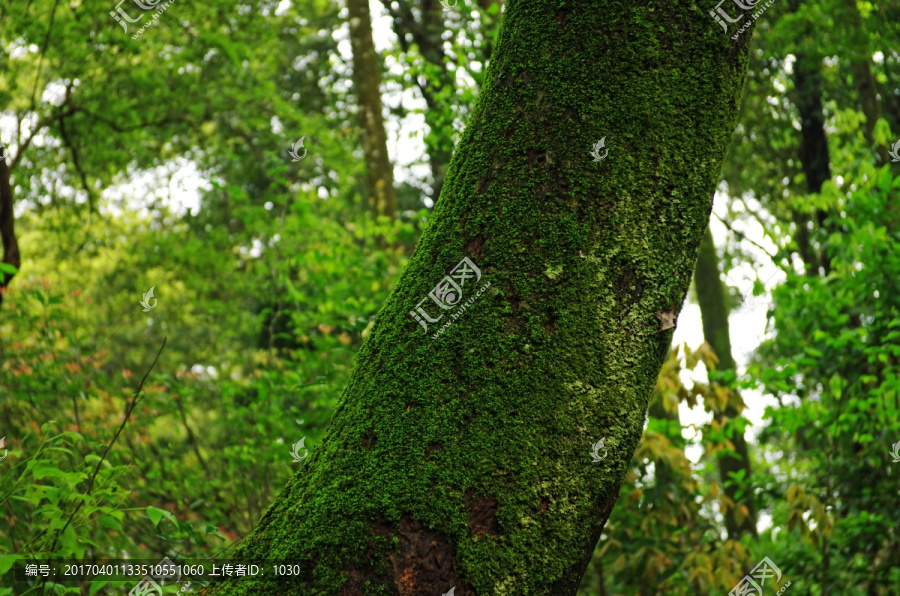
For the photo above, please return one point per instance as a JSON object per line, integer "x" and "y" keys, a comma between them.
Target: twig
{"x": 191, "y": 437}
{"x": 43, "y": 52}
{"x": 128, "y": 411}
{"x": 92, "y": 202}
{"x": 743, "y": 236}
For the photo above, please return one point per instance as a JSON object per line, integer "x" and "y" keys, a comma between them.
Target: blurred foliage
{"x": 265, "y": 291}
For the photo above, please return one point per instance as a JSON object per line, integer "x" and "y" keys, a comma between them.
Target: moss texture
{"x": 464, "y": 460}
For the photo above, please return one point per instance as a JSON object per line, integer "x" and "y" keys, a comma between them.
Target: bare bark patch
{"x": 423, "y": 564}
{"x": 482, "y": 515}
{"x": 431, "y": 448}
{"x": 476, "y": 246}
{"x": 369, "y": 440}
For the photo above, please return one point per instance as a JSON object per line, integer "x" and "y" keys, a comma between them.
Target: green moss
{"x": 564, "y": 347}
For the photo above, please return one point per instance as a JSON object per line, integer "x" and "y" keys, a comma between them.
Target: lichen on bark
{"x": 465, "y": 460}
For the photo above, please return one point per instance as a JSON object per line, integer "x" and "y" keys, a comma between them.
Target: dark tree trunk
{"x": 425, "y": 28}
{"x": 7, "y": 224}
{"x": 464, "y": 461}
{"x": 714, "y": 312}
{"x": 863, "y": 80}
{"x": 813, "y": 151}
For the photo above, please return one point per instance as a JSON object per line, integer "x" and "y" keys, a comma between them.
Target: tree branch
{"x": 128, "y": 410}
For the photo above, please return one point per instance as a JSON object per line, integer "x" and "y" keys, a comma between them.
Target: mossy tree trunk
{"x": 367, "y": 84}
{"x": 714, "y": 312}
{"x": 464, "y": 461}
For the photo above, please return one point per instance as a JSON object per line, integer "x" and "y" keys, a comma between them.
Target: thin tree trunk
{"x": 861, "y": 71}
{"x": 891, "y": 111}
{"x": 871, "y": 107}
{"x": 367, "y": 83}
{"x": 425, "y": 28}
{"x": 7, "y": 225}
{"x": 714, "y": 312}
{"x": 813, "y": 151}
{"x": 464, "y": 460}
{"x": 664, "y": 473}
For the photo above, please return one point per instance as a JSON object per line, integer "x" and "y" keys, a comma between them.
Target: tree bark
{"x": 7, "y": 224}
{"x": 813, "y": 152}
{"x": 714, "y": 313}
{"x": 861, "y": 70}
{"x": 464, "y": 460}
{"x": 367, "y": 82}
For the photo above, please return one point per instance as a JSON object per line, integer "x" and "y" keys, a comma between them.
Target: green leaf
{"x": 155, "y": 514}
{"x": 43, "y": 469}
{"x": 96, "y": 587}
{"x": 110, "y": 522}
{"x": 68, "y": 541}
{"x": 7, "y": 268}
{"x": 7, "y": 561}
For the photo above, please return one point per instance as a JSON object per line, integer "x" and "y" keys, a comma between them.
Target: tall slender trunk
{"x": 813, "y": 151}
{"x": 861, "y": 70}
{"x": 367, "y": 83}
{"x": 425, "y": 28}
{"x": 664, "y": 473}
{"x": 714, "y": 312}
{"x": 7, "y": 224}
{"x": 891, "y": 111}
{"x": 461, "y": 458}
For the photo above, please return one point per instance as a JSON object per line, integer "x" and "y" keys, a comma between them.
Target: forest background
{"x": 220, "y": 181}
